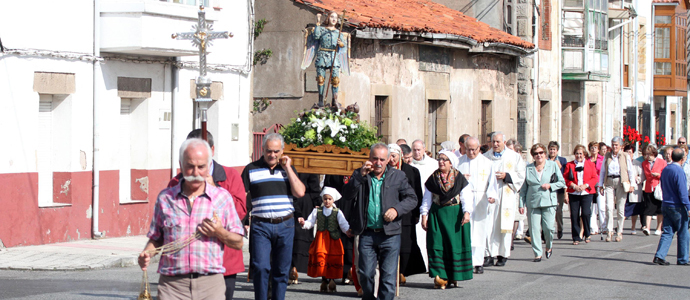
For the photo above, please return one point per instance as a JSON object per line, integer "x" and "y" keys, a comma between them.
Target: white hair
{"x": 471, "y": 138}
{"x": 497, "y": 133}
{"x": 273, "y": 137}
{"x": 419, "y": 141}
{"x": 617, "y": 139}
{"x": 192, "y": 143}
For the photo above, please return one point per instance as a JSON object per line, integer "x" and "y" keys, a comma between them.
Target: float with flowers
{"x": 328, "y": 140}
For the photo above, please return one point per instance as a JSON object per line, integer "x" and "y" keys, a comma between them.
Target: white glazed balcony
{"x": 144, "y": 27}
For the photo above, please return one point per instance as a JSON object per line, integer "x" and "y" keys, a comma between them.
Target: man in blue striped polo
{"x": 271, "y": 183}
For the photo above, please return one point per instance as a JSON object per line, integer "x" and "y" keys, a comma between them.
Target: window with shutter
{"x": 124, "y": 152}
{"x": 44, "y": 150}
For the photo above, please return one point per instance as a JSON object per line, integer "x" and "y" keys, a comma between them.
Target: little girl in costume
{"x": 326, "y": 252}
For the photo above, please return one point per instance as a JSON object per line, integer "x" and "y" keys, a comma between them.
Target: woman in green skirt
{"x": 445, "y": 211}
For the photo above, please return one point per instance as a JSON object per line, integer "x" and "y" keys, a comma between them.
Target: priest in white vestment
{"x": 426, "y": 166}
{"x": 480, "y": 173}
{"x": 509, "y": 168}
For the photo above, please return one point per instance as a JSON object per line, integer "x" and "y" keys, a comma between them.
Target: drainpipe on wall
{"x": 636, "y": 27}
{"x": 97, "y": 76}
{"x": 173, "y": 88}
{"x": 620, "y": 127}
{"x": 652, "y": 135}
{"x": 535, "y": 70}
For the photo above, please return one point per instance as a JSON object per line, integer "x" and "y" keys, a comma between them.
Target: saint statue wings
{"x": 311, "y": 46}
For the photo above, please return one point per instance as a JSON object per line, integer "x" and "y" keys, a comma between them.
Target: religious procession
{"x": 373, "y": 149}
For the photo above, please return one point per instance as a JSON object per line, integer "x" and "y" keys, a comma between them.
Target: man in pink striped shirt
{"x": 196, "y": 270}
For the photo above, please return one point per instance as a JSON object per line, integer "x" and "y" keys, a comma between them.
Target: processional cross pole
{"x": 202, "y": 37}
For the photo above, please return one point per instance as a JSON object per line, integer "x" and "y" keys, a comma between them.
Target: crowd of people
{"x": 404, "y": 212}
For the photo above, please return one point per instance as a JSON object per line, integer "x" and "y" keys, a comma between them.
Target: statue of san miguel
{"x": 331, "y": 47}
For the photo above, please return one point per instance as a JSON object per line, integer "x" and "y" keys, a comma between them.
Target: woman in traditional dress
{"x": 542, "y": 179}
{"x": 326, "y": 252}
{"x": 445, "y": 211}
{"x": 411, "y": 260}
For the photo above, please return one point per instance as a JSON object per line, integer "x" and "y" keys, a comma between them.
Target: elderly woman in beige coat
{"x": 542, "y": 179}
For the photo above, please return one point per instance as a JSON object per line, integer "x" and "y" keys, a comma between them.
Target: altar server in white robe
{"x": 479, "y": 171}
{"x": 426, "y": 166}
{"x": 509, "y": 168}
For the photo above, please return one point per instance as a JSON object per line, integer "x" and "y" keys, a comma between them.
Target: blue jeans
{"x": 271, "y": 252}
{"x": 675, "y": 221}
{"x": 373, "y": 247}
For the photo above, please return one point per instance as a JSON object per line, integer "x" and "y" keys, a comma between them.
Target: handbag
{"x": 554, "y": 178}
{"x": 658, "y": 193}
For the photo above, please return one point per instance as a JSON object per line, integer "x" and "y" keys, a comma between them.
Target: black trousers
{"x": 230, "y": 286}
{"x": 580, "y": 209}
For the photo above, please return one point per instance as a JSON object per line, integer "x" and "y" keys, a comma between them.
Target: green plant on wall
{"x": 260, "y": 105}
{"x": 261, "y": 56}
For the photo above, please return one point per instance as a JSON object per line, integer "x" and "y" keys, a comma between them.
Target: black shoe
{"x": 479, "y": 270}
{"x": 685, "y": 264}
{"x": 501, "y": 261}
{"x": 559, "y": 235}
{"x": 538, "y": 259}
{"x": 660, "y": 262}
{"x": 512, "y": 247}
{"x": 548, "y": 254}
{"x": 488, "y": 261}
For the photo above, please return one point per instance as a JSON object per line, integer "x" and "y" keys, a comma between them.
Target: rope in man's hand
{"x": 167, "y": 249}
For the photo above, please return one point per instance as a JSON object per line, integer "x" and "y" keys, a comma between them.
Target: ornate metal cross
{"x": 202, "y": 37}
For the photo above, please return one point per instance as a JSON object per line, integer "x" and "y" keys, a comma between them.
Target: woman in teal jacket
{"x": 542, "y": 179}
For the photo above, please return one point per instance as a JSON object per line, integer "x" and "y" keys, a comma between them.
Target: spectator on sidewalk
{"x": 272, "y": 183}
{"x": 676, "y": 210}
{"x": 194, "y": 269}
{"x": 230, "y": 180}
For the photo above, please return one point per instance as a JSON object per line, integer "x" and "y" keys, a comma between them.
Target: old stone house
{"x": 418, "y": 69}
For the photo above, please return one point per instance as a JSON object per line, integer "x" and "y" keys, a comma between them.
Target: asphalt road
{"x": 594, "y": 270}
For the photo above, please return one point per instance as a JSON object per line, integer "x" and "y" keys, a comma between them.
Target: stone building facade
{"x": 410, "y": 84}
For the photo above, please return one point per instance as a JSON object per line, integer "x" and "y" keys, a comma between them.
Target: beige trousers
{"x": 210, "y": 287}
{"x": 614, "y": 193}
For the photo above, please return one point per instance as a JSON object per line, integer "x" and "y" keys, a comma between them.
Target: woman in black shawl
{"x": 304, "y": 237}
{"x": 446, "y": 210}
{"x": 411, "y": 260}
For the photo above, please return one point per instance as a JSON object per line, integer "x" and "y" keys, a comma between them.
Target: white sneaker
{"x": 518, "y": 237}
{"x": 653, "y": 217}
{"x": 657, "y": 232}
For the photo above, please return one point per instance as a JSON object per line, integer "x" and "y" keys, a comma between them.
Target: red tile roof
{"x": 416, "y": 16}
{"x": 666, "y": 1}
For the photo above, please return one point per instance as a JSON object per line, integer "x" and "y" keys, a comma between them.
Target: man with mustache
{"x": 228, "y": 179}
{"x": 381, "y": 195}
{"x": 196, "y": 270}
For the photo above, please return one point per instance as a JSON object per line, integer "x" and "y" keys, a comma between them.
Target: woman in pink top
{"x": 652, "y": 167}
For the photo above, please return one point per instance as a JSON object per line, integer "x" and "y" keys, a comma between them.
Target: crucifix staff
{"x": 202, "y": 37}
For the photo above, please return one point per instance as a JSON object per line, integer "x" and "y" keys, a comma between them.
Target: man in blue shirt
{"x": 675, "y": 208}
